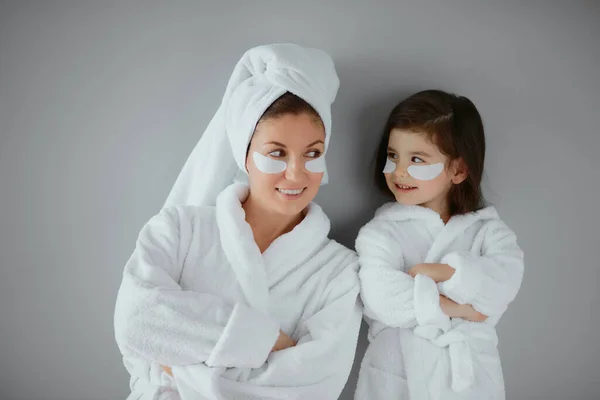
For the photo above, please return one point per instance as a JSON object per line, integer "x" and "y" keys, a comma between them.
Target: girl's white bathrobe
{"x": 197, "y": 295}
{"x": 415, "y": 350}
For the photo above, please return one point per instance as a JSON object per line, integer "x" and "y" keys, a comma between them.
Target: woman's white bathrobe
{"x": 198, "y": 296}
{"x": 416, "y": 351}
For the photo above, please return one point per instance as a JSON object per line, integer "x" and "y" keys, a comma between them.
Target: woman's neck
{"x": 267, "y": 225}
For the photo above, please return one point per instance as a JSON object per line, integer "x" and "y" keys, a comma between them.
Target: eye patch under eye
{"x": 425, "y": 172}
{"x": 390, "y": 166}
{"x": 268, "y": 165}
{"x": 317, "y": 165}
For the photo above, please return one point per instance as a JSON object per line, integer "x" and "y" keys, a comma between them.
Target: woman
{"x": 234, "y": 289}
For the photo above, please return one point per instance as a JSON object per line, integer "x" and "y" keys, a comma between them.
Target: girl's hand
{"x": 471, "y": 314}
{"x": 437, "y": 272}
{"x": 283, "y": 342}
{"x": 464, "y": 311}
{"x": 450, "y": 308}
{"x": 167, "y": 370}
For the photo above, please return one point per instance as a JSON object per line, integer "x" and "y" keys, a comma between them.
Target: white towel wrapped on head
{"x": 262, "y": 75}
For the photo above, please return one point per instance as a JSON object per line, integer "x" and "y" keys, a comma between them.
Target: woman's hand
{"x": 283, "y": 342}
{"x": 437, "y": 272}
{"x": 464, "y": 311}
{"x": 167, "y": 370}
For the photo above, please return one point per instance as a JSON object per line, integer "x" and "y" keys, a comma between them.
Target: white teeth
{"x": 292, "y": 192}
{"x": 404, "y": 187}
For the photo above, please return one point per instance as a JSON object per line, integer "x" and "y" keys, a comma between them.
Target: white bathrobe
{"x": 415, "y": 350}
{"x": 198, "y": 296}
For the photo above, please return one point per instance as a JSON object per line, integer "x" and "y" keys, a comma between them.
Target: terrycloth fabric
{"x": 262, "y": 75}
{"x": 197, "y": 295}
{"x": 415, "y": 350}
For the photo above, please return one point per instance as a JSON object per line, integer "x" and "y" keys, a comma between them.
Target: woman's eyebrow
{"x": 315, "y": 142}
{"x": 277, "y": 144}
{"x": 283, "y": 145}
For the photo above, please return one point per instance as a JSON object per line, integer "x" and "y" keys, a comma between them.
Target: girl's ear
{"x": 459, "y": 171}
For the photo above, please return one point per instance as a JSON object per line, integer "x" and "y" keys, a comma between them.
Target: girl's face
{"x": 417, "y": 173}
{"x": 279, "y": 177}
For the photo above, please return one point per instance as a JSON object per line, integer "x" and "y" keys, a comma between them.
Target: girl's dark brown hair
{"x": 454, "y": 125}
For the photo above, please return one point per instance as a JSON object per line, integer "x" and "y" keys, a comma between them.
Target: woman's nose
{"x": 296, "y": 170}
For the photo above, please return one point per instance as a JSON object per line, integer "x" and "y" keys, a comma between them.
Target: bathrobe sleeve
{"x": 488, "y": 281}
{"x": 318, "y": 366}
{"x": 159, "y": 321}
{"x": 390, "y": 295}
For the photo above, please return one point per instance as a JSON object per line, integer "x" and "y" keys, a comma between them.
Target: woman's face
{"x": 279, "y": 177}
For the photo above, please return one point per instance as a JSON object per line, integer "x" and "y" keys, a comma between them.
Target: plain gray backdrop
{"x": 101, "y": 103}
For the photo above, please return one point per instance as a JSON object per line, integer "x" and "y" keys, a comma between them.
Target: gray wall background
{"x": 100, "y": 104}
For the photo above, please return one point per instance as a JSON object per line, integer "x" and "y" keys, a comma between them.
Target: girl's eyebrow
{"x": 420, "y": 153}
{"x": 414, "y": 153}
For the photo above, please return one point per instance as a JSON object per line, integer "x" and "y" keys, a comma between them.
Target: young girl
{"x": 437, "y": 268}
